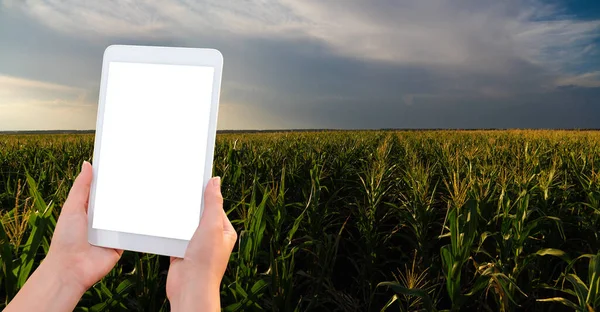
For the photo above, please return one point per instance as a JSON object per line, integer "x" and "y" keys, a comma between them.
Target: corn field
{"x": 354, "y": 221}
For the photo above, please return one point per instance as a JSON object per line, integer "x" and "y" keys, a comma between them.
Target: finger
{"x": 80, "y": 191}
{"x": 213, "y": 206}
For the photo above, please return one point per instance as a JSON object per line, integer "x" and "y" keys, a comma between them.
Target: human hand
{"x": 193, "y": 282}
{"x": 70, "y": 252}
{"x": 72, "y": 264}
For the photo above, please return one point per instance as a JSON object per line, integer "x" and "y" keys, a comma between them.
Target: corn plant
{"x": 376, "y": 182}
{"x": 586, "y": 293}
{"x": 249, "y": 283}
{"x": 414, "y": 289}
{"x": 18, "y": 259}
{"x": 417, "y": 204}
{"x": 462, "y": 224}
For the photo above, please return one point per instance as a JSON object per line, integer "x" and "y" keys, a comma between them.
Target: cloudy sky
{"x": 320, "y": 64}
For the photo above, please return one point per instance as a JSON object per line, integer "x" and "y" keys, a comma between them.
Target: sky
{"x": 320, "y": 64}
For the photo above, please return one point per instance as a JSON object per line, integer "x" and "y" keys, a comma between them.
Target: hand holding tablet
{"x": 72, "y": 265}
{"x": 149, "y": 186}
{"x": 154, "y": 147}
{"x": 193, "y": 283}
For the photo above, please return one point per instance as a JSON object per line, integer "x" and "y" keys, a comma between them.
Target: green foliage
{"x": 354, "y": 221}
{"x": 587, "y": 293}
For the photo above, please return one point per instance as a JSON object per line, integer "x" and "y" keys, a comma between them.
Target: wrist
{"x": 197, "y": 295}
{"x": 62, "y": 275}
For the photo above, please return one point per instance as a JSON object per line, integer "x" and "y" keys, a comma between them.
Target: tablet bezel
{"x": 152, "y": 55}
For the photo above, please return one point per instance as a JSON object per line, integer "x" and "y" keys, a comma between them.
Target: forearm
{"x": 47, "y": 289}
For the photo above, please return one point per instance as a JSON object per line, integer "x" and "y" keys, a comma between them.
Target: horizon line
{"x": 91, "y": 131}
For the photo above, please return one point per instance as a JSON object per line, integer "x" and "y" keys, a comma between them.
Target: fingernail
{"x": 83, "y": 165}
{"x": 217, "y": 181}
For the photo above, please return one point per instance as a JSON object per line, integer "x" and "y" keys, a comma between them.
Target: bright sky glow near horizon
{"x": 320, "y": 64}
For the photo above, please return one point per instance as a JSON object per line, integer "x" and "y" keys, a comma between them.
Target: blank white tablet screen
{"x": 153, "y": 149}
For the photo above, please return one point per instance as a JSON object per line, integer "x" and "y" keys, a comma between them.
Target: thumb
{"x": 77, "y": 201}
{"x": 213, "y": 205}
{"x": 211, "y": 223}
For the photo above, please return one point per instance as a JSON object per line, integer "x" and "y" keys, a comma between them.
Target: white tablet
{"x": 154, "y": 145}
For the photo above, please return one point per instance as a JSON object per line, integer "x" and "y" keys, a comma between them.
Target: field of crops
{"x": 354, "y": 221}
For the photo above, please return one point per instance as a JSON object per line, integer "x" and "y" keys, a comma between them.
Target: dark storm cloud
{"x": 560, "y": 109}
{"x": 326, "y": 89}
